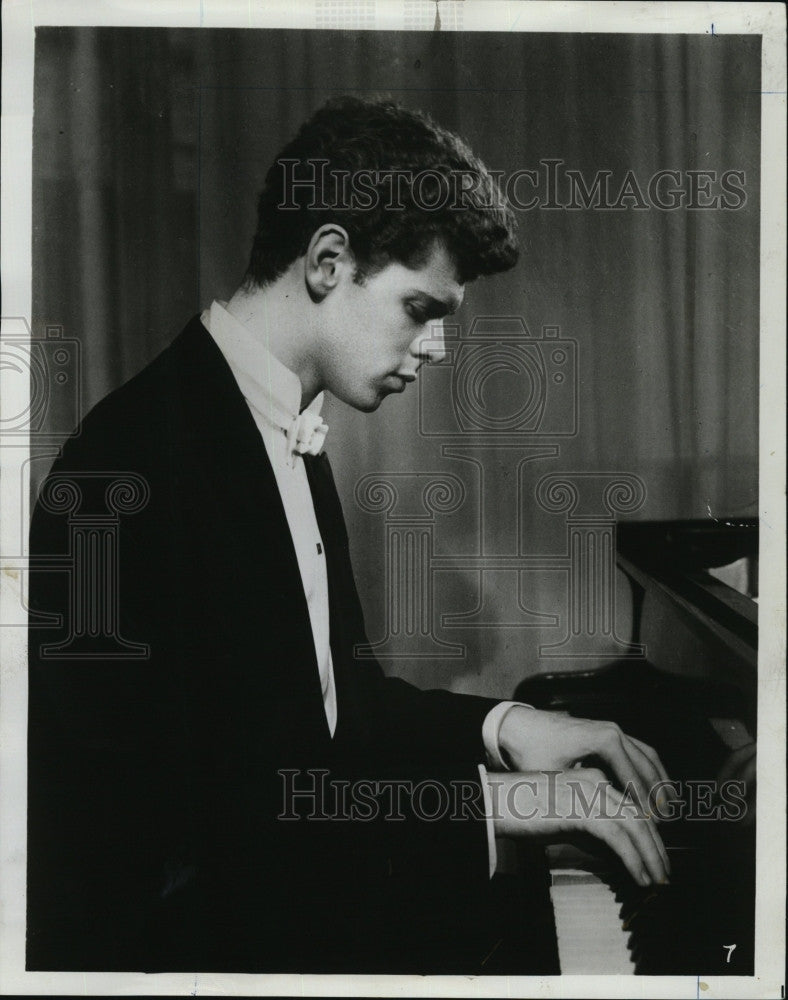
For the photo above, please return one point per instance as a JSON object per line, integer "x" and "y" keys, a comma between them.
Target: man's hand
{"x": 560, "y": 805}
{"x": 534, "y": 740}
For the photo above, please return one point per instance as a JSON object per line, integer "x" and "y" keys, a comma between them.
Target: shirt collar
{"x": 269, "y": 386}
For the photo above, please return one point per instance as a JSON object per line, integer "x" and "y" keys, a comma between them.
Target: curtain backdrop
{"x": 149, "y": 150}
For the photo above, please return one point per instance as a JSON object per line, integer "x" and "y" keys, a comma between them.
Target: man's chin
{"x": 371, "y": 406}
{"x": 367, "y": 403}
{"x": 371, "y": 402}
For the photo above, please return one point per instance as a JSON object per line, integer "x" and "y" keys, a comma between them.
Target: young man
{"x": 199, "y": 723}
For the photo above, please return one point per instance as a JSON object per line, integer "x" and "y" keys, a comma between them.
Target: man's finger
{"x": 651, "y": 826}
{"x": 653, "y": 756}
{"x": 631, "y": 835}
{"x": 667, "y": 791}
{"x": 643, "y": 835}
{"x": 613, "y": 751}
{"x": 613, "y": 834}
{"x": 649, "y": 774}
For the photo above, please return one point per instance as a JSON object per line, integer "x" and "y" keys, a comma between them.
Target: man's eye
{"x": 417, "y": 314}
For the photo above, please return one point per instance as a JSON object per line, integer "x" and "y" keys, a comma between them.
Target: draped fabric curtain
{"x": 149, "y": 150}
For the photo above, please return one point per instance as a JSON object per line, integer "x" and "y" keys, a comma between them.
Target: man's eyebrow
{"x": 441, "y": 307}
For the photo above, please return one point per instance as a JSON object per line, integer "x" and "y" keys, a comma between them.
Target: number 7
{"x": 730, "y": 948}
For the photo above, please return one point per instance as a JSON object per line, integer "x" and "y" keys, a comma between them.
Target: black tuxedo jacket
{"x": 155, "y": 785}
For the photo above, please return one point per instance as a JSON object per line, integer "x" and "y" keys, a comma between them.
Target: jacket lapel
{"x": 346, "y": 622}
{"x": 243, "y": 510}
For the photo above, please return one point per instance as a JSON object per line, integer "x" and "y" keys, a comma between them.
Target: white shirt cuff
{"x": 490, "y": 730}
{"x": 492, "y": 852}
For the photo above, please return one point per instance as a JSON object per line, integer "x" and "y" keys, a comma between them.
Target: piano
{"x": 692, "y": 697}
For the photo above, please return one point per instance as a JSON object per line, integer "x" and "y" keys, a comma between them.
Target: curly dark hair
{"x": 395, "y": 180}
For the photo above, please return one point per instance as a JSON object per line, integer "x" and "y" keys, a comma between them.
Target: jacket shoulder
{"x": 135, "y": 422}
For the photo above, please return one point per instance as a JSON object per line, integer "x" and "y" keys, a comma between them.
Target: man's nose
{"x": 430, "y": 346}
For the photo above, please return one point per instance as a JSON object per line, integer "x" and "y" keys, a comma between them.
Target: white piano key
{"x": 589, "y": 931}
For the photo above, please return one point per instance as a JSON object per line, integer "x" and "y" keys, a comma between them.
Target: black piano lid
{"x": 672, "y": 558}
{"x": 689, "y": 545}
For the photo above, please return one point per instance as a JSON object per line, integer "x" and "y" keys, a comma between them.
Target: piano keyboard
{"x": 590, "y": 932}
{"x": 606, "y": 924}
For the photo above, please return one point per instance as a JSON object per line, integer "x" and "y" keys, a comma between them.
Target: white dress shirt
{"x": 273, "y": 393}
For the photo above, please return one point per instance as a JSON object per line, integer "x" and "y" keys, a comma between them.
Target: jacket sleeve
{"x": 109, "y": 768}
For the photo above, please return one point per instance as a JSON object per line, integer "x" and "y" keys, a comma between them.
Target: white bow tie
{"x": 306, "y": 435}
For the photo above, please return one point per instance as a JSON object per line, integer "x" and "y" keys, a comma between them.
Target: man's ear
{"x": 328, "y": 258}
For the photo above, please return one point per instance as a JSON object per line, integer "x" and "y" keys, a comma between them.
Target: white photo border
{"x": 766, "y": 19}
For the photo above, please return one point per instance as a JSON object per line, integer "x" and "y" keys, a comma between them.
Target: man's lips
{"x": 398, "y": 381}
